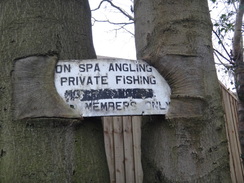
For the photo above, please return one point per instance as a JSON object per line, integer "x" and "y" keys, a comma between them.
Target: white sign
{"x": 110, "y": 87}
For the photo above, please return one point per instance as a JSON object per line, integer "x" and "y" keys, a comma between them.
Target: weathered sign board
{"x": 110, "y": 87}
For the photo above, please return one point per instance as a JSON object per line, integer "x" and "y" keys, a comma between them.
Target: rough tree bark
{"x": 46, "y": 149}
{"x": 190, "y": 145}
{"x": 239, "y": 70}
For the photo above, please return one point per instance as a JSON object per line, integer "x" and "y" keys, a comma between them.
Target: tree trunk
{"x": 46, "y": 149}
{"x": 190, "y": 145}
{"x": 239, "y": 70}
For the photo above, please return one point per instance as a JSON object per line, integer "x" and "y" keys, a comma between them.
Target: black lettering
{"x": 96, "y": 67}
{"x": 157, "y": 105}
{"x": 82, "y": 80}
{"x": 149, "y": 68}
{"x": 129, "y": 79}
{"x": 118, "y": 106}
{"x": 124, "y": 79}
{"x": 136, "y": 80}
{"x": 125, "y": 105}
{"x": 88, "y": 67}
{"x": 160, "y": 106}
{"x": 148, "y": 105}
{"x": 63, "y": 80}
{"x": 67, "y": 68}
{"x": 133, "y": 105}
{"x": 96, "y": 78}
{"x": 89, "y": 80}
{"x": 118, "y": 78}
{"x": 95, "y": 106}
{"x": 142, "y": 67}
{"x": 154, "y": 105}
{"x": 58, "y": 68}
{"x": 111, "y": 105}
{"x": 104, "y": 80}
{"x": 131, "y": 70}
{"x": 63, "y": 68}
{"x": 88, "y": 106}
{"x": 146, "y": 80}
{"x": 82, "y": 68}
{"x": 118, "y": 67}
{"x": 153, "y": 80}
{"x": 71, "y": 80}
{"x": 104, "y": 106}
{"x": 125, "y": 67}
{"x": 77, "y": 80}
{"x": 111, "y": 67}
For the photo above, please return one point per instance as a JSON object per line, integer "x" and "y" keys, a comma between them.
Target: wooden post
{"x": 136, "y": 122}
{"x": 109, "y": 146}
{"x": 128, "y": 149}
{"x": 122, "y": 137}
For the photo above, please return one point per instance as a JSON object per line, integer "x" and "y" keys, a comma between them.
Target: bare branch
{"x": 116, "y": 7}
{"x": 216, "y": 51}
{"x": 223, "y": 46}
{"x": 123, "y": 27}
{"x": 114, "y": 23}
{"x": 120, "y": 24}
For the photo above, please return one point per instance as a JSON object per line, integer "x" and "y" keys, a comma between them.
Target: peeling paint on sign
{"x": 110, "y": 87}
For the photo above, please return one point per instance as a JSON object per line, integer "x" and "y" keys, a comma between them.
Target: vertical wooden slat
{"x": 136, "y": 130}
{"x": 236, "y": 148}
{"x": 128, "y": 149}
{"x": 230, "y": 107}
{"x": 235, "y": 123}
{"x": 231, "y": 139}
{"x": 232, "y": 173}
{"x": 109, "y": 146}
{"x": 119, "y": 149}
{"x": 122, "y": 138}
{"x": 235, "y": 133}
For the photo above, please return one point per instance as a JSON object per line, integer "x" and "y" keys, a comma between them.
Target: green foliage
{"x": 225, "y": 23}
{"x": 225, "y": 20}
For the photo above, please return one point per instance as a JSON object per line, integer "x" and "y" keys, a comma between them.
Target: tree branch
{"x": 116, "y": 7}
{"x": 223, "y": 46}
{"x": 120, "y": 24}
{"x": 114, "y": 23}
{"x": 217, "y": 52}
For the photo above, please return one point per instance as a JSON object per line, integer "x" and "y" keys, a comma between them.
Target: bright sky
{"x": 224, "y": 75}
{"x": 107, "y": 40}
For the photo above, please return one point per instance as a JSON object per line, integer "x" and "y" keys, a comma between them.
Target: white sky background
{"x": 108, "y": 41}
{"x": 224, "y": 75}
